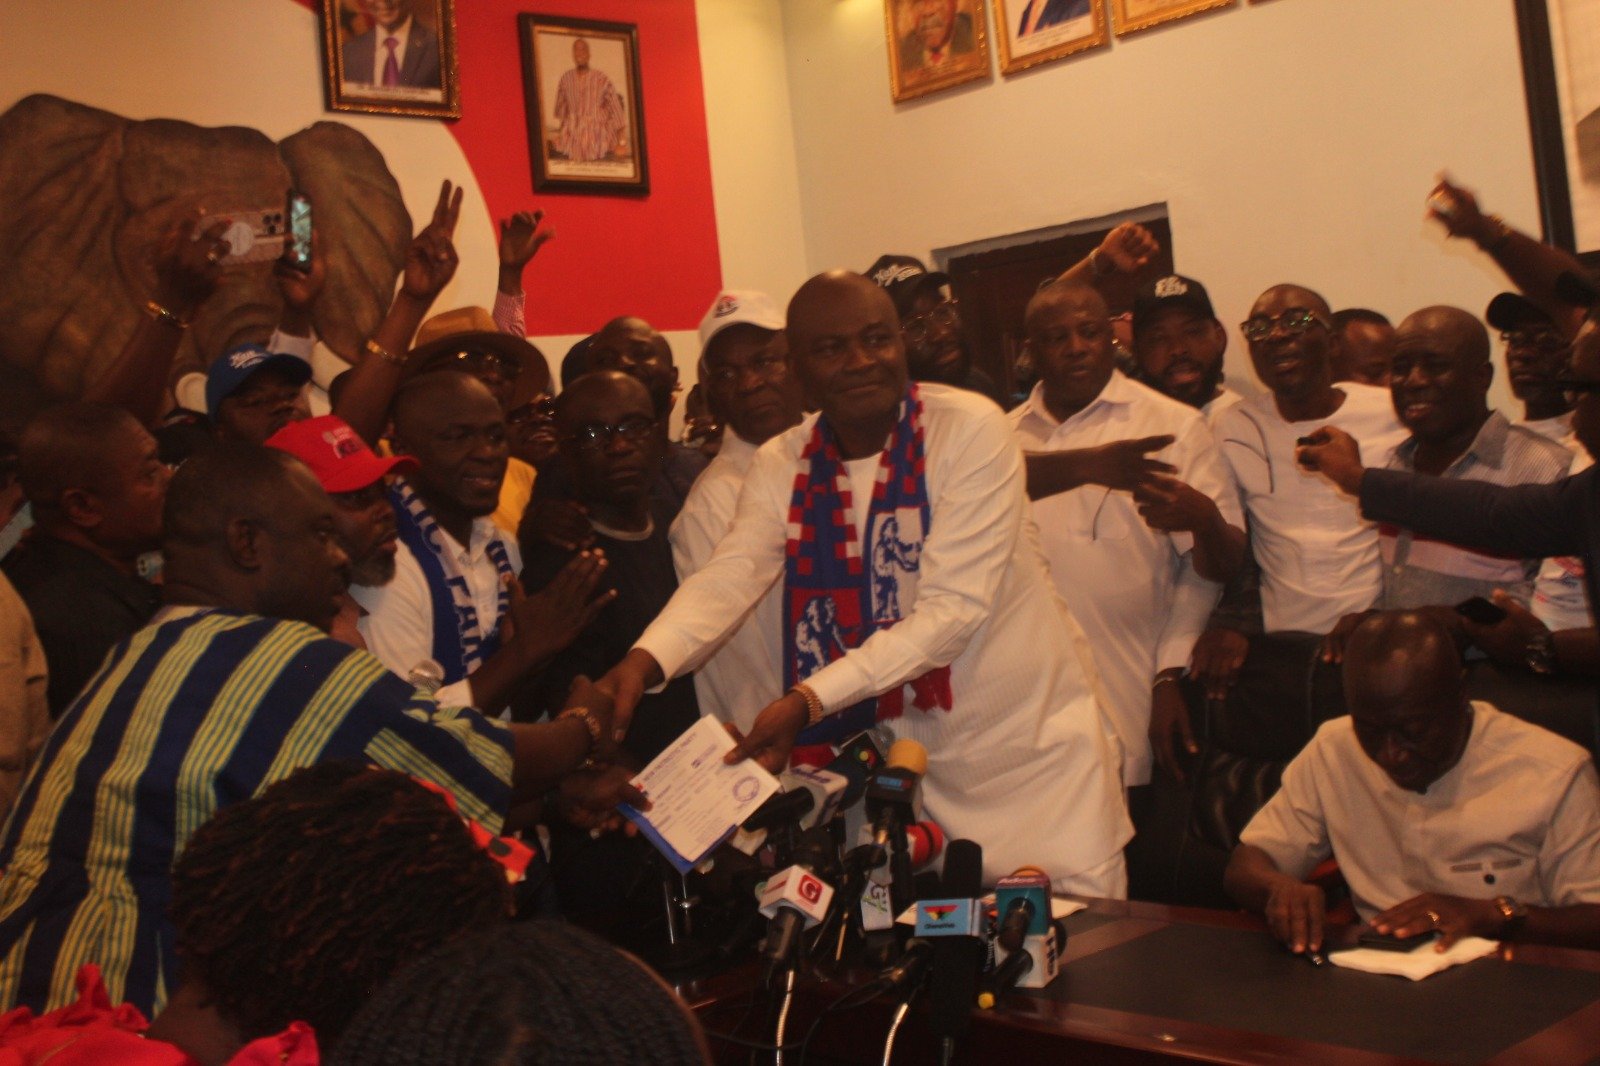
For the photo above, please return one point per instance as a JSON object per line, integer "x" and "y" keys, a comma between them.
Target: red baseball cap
{"x": 335, "y": 453}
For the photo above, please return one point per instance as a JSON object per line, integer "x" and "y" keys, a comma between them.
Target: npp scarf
{"x": 833, "y": 598}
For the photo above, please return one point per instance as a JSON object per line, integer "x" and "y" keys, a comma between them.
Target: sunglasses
{"x": 1544, "y": 341}
{"x": 598, "y": 435}
{"x": 916, "y": 328}
{"x": 477, "y": 360}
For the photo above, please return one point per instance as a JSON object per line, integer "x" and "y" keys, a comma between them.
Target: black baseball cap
{"x": 1174, "y": 290}
{"x": 1511, "y": 311}
{"x": 903, "y": 277}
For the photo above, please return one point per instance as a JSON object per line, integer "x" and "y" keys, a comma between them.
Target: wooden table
{"x": 1147, "y": 983}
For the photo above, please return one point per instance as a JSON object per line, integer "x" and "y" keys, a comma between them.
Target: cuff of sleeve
{"x": 1175, "y": 654}
{"x": 669, "y": 652}
{"x": 456, "y": 694}
{"x": 839, "y": 684}
{"x": 508, "y": 311}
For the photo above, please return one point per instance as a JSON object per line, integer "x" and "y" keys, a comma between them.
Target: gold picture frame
{"x": 920, "y": 67}
{"x": 1031, "y": 32}
{"x": 423, "y": 81}
{"x": 1135, "y": 15}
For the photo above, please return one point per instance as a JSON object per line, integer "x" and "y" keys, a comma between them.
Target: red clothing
{"x": 91, "y": 1032}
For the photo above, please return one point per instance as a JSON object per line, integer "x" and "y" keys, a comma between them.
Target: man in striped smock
{"x": 232, "y": 686}
{"x": 590, "y": 111}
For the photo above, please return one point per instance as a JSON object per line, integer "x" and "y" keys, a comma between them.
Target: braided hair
{"x": 295, "y": 905}
{"x": 542, "y": 993}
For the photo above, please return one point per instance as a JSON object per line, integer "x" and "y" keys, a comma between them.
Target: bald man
{"x": 96, "y": 484}
{"x": 1318, "y": 556}
{"x": 1443, "y": 814}
{"x": 1441, "y": 376}
{"x": 233, "y": 685}
{"x": 914, "y": 597}
{"x": 1182, "y": 534}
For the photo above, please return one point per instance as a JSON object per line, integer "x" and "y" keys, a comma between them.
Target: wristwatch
{"x": 1541, "y": 652}
{"x": 1514, "y": 914}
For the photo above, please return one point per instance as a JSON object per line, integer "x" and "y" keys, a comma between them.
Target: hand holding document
{"x": 697, "y": 800}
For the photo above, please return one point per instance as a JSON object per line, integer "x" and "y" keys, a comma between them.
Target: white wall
{"x": 1293, "y": 141}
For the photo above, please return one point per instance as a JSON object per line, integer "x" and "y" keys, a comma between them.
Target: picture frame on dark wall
{"x": 391, "y": 57}
{"x": 1561, "y": 74}
{"x": 1135, "y": 15}
{"x": 935, "y": 45}
{"x": 1032, "y": 32}
{"x": 585, "y": 105}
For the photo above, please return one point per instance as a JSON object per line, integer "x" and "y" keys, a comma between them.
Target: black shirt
{"x": 81, "y": 605}
{"x": 641, "y": 571}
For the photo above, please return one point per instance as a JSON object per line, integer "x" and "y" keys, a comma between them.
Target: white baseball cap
{"x": 735, "y": 307}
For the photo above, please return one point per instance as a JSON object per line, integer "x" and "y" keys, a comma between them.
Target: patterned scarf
{"x": 832, "y": 601}
{"x": 460, "y": 641}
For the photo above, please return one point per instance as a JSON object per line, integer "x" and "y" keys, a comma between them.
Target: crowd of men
{"x": 521, "y": 595}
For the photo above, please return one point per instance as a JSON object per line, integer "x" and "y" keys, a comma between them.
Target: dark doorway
{"x": 994, "y": 279}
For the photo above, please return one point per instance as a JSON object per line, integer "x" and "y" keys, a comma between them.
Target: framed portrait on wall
{"x": 1560, "y": 42}
{"x": 1039, "y": 31}
{"x": 934, "y": 45}
{"x": 585, "y": 105}
{"x": 391, "y": 57}
{"x": 1135, "y": 15}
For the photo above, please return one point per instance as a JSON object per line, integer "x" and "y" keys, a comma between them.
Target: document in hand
{"x": 697, "y": 800}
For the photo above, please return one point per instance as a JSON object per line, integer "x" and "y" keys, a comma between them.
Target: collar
{"x": 1118, "y": 392}
{"x": 634, "y": 535}
{"x": 738, "y": 450}
{"x": 1488, "y": 447}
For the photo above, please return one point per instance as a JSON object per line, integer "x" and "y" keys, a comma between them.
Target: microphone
{"x": 891, "y": 806}
{"x": 1021, "y": 965}
{"x": 1026, "y": 935}
{"x": 925, "y": 841}
{"x": 797, "y": 898}
{"x": 959, "y": 952}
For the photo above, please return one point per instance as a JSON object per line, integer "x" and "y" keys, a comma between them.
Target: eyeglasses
{"x": 478, "y": 360}
{"x": 1294, "y": 322}
{"x": 1575, "y": 389}
{"x": 767, "y": 365}
{"x": 598, "y": 435}
{"x": 916, "y": 328}
{"x": 1543, "y": 341}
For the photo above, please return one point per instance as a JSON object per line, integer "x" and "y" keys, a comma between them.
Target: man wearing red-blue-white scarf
{"x": 914, "y": 596}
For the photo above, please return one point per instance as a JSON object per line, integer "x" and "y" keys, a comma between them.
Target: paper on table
{"x": 1421, "y": 961}
{"x": 697, "y": 800}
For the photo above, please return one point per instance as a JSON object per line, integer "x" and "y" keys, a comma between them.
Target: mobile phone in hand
{"x": 297, "y": 246}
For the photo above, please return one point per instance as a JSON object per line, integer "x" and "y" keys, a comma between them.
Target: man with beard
{"x": 96, "y": 484}
{"x": 353, "y": 477}
{"x": 986, "y": 669}
{"x": 1179, "y": 343}
{"x": 454, "y": 590}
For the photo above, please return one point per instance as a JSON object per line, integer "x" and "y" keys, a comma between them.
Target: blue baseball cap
{"x": 230, "y": 370}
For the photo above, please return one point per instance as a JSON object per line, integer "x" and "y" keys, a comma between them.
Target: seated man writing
{"x": 1442, "y": 813}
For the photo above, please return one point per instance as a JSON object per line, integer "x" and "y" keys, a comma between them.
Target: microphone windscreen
{"x": 926, "y": 841}
{"x": 963, "y": 870}
{"x": 909, "y": 755}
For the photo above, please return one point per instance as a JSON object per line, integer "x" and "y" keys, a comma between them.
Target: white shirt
{"x": 1025, "y": 762}
{"x": 1518, "y": 815}
{"x": 398, "y": 624}
{"x": 1134, "y": 590}
{"x": 744, "y": 676}
{"x": 1224, "y": 399}
{"x": 1318, "y": 556}
{"x": 1558, "y": 429}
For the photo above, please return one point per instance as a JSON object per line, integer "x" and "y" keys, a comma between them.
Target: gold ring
{"x": 1433, "y": 916}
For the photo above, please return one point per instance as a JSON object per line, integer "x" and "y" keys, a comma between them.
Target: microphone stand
{"x": 682, "y": 951}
